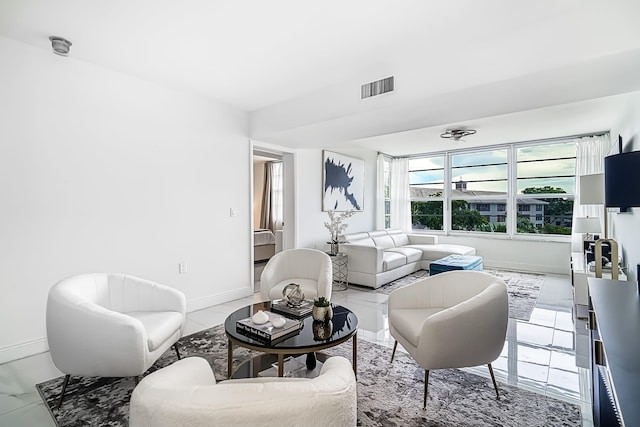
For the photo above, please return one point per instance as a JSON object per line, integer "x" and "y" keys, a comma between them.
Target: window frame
{"x": 510, "y": 199}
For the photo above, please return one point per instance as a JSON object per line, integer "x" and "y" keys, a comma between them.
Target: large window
{"x": 545, "y": 182}
{"x": 511, "y": 189}
{"x": 479, "y": 184}
{"x": 426, "y": 189}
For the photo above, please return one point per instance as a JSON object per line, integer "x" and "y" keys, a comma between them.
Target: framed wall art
{"x": 342, "y": 182}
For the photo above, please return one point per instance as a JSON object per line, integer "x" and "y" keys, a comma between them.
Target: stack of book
{"x": 281, "y": 306}
{"x": 266, "y": 332}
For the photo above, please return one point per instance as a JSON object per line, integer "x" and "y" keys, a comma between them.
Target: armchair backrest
{"x": 185, "y": 393}
{"x": 303, "y": 263}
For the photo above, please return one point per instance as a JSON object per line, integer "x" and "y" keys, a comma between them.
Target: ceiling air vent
{"x": 376, "y": 88}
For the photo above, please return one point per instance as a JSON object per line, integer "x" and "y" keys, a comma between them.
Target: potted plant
{"x": 322, "y": 310}
{"x": 336, "y": 227}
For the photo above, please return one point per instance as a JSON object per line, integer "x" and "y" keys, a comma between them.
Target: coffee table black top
{"x": 344, "y": 326}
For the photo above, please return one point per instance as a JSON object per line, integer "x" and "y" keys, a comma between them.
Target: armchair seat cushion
{"x": 159, "y": 325}
{"x": 408, "y": 321}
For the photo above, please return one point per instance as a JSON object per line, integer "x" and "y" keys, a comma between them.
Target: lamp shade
{"x": 621, "y": 178}
{"x": 592, "y": 189}
{"x": 586, "y": 225}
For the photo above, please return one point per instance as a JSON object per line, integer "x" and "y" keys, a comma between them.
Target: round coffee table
{"x": 344, "y": 325}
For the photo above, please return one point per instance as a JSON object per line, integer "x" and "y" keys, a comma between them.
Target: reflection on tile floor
{"x": 539, "y": 355}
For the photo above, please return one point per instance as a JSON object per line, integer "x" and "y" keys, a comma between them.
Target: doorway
{"x": 268, "y": 209}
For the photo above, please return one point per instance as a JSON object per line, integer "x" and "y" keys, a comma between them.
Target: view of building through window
{"x": 483, "y": 197}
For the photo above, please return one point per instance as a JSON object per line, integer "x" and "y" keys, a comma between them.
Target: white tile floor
{"x": 539, "y": 355}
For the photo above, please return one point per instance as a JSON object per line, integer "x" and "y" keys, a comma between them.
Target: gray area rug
{"x": 389, "y": 394}
{"x": 523, "y": 289}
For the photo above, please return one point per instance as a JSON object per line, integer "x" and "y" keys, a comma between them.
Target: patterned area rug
{"x": 389, "y": 394}
{"x": 523, "y": 289}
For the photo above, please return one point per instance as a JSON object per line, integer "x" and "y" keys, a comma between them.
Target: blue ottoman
{"x": 455, "y": 262}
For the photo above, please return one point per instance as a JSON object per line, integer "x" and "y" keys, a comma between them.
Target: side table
{"x": 340, "y": 271}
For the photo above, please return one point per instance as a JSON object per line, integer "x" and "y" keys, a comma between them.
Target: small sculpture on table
{"x": 293, "y": 295}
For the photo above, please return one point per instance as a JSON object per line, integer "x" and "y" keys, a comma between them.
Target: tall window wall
{"x": 509, "y": 190}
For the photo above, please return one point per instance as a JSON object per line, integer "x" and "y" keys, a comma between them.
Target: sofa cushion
{"x": 412, "y": 254}
{"x": 391, "y": 260}
{"x": 441, "y": 250}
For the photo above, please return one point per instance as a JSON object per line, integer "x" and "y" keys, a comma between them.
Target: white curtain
{"x": 276, "y": 196}
{"x": 380, "y": 193}
{"x": 400, "y": 202}
{"x": 590, "y": 154}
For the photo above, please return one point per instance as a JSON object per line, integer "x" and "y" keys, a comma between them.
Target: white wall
{"x": 626, "y": 226}
{"x": 102, "y": 172}
{"x": 310, "y": 218}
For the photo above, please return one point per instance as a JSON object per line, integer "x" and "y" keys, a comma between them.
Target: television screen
{"x": 621, "y": 180}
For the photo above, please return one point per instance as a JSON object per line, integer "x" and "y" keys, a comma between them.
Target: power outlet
{"x": 182, "y": 268}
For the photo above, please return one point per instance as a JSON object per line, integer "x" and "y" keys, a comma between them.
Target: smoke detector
{"x": 60, "y": 45}
{"x": 457, "y": 133}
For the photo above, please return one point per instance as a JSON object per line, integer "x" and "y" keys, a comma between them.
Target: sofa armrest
{"x": 423, "y": 239}
{"x": 364, "y": 259}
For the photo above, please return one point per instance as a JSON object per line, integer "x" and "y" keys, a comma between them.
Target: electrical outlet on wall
{"x": 182, "y": 267}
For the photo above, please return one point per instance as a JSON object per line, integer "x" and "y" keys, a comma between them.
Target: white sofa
{"x": 186, "y": 394}
{"x": 379, "y": 257}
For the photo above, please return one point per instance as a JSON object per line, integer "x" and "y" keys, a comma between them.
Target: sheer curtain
{"x": 380, "y": 193}
{"x": 272, "y": 204}
{"x": 277, "y": 207}
{"x": 400, "y": 203}
{"x": 590, "y": 154}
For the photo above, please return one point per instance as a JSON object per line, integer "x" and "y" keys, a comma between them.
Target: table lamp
{"x": 592, "y": 193}
{"x": 588, "y": 225}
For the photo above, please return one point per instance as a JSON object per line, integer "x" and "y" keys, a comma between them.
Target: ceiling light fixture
{"x": 60, "y": 45}
{"x": 457, "y": 133}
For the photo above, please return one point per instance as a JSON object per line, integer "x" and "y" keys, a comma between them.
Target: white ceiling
{"x": 513, "y": 69}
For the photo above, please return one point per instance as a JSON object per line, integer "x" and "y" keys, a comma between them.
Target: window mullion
{"x": 446, "y": 202}
{"x": 512, "y": 197}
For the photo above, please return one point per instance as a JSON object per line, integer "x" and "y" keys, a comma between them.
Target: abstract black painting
{"x": 343, "y": 182}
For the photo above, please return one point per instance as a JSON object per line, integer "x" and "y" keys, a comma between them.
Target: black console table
{"x": 615, "y": 352}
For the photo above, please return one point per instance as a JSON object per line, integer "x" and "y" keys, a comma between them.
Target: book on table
{"x": 281, "y": 306}
{"x": 266, "y": 331}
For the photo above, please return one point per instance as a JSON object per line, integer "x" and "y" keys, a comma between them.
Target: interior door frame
{"x": 287, "y": 156}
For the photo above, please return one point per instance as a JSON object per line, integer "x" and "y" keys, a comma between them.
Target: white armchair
{"x": 310, "y": 268}
{"x": 186, "y": 394}
{"x": 111, "y": 325}
{"x": 452, "y": 320}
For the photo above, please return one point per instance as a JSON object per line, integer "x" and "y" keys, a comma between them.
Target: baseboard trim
{"x": 22, "y": 350}
{"x": 525, "y": 267}
{"x": 200, "y": 303}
